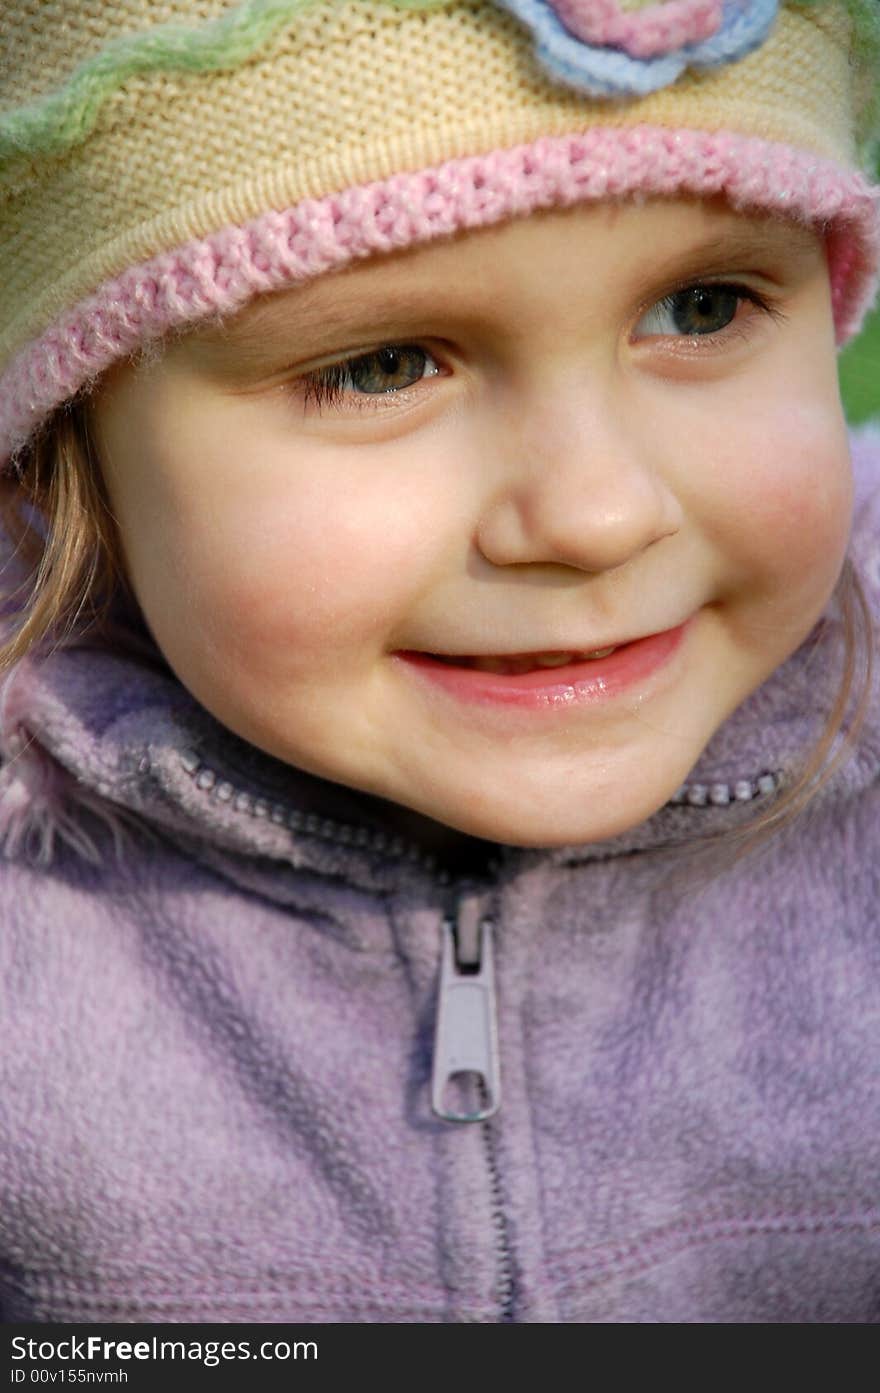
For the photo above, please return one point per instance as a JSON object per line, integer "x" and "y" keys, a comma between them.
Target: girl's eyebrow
{"x": 277, "y": 324}
{"x": 786, "y": 245}
{"x": 325, "y": 314}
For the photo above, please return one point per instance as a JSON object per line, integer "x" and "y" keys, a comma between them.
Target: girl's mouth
{"x": 549, "y": 679}
{"x": 515, "y": 664}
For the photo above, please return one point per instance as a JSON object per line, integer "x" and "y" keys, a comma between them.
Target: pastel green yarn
{"x": 64, "y": 118}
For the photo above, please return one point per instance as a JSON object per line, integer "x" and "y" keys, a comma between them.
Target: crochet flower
{"x": 603, "y": 51}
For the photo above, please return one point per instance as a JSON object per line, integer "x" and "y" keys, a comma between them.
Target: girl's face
{"x": 377, "y": 522}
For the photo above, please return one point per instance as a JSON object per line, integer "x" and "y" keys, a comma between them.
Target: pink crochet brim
{"x": 221, "y": 272}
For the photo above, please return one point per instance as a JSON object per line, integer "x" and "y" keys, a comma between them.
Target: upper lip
{"x": 530, "y": 650}
{"x": 527, "y": 650}
{"x": 510, "y": 652}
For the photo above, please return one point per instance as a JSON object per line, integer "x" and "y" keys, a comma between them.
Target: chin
{"x": 544, "y": 828}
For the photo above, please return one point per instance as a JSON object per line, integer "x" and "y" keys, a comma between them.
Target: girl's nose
{"x": 589, "y": 503}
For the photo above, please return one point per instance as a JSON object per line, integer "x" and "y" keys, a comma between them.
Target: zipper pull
{"x": 466, "y": 1039}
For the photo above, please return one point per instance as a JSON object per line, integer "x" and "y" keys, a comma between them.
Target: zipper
{"x": 466, "y": 1054}
{"x": 501, "y": 1232}
{"x": 466, "y": 1082}
{"x": 215, "y": 785}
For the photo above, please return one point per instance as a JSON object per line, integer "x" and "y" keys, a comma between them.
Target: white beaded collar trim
{"x": 692, "y": 795}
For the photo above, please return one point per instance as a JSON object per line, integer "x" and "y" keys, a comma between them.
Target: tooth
{"x": 552, "y": 659}
{"x": 514, "y": 664}
{"x": 496, "y": 665}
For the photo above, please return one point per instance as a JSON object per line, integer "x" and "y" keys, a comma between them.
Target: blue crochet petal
{"x": 743, "y": 29}
{"x": 608, "y": 72}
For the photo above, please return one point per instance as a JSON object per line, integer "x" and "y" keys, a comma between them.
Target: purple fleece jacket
{"x": 218, "y": 982}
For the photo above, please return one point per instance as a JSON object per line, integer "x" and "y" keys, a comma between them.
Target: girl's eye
{"x": 391, "y": 368}
{"x": 699, "y": 309}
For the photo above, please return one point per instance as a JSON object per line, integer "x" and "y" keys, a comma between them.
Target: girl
{"x": 430, "y": 518}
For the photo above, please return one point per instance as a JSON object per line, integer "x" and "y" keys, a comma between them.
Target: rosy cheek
{"x": 295, "y": 571}
{"x": 788, "y": 510}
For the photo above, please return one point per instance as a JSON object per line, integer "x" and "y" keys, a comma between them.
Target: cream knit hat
{"x": 165, "y": 160}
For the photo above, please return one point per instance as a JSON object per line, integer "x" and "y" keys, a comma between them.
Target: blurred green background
{"x": 860, "y": 370}
{"x": 860, "y": 373}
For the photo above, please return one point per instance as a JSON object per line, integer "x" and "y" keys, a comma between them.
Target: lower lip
{"x": 593, "y": 680}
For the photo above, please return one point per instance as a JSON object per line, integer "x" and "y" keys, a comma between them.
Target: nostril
{"x": 591, "y": 514}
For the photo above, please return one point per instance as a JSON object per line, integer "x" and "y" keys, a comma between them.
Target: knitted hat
{"x": 165, "y": 160}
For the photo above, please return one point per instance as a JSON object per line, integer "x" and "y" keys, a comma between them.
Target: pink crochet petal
{"x": 662, "y": 28}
